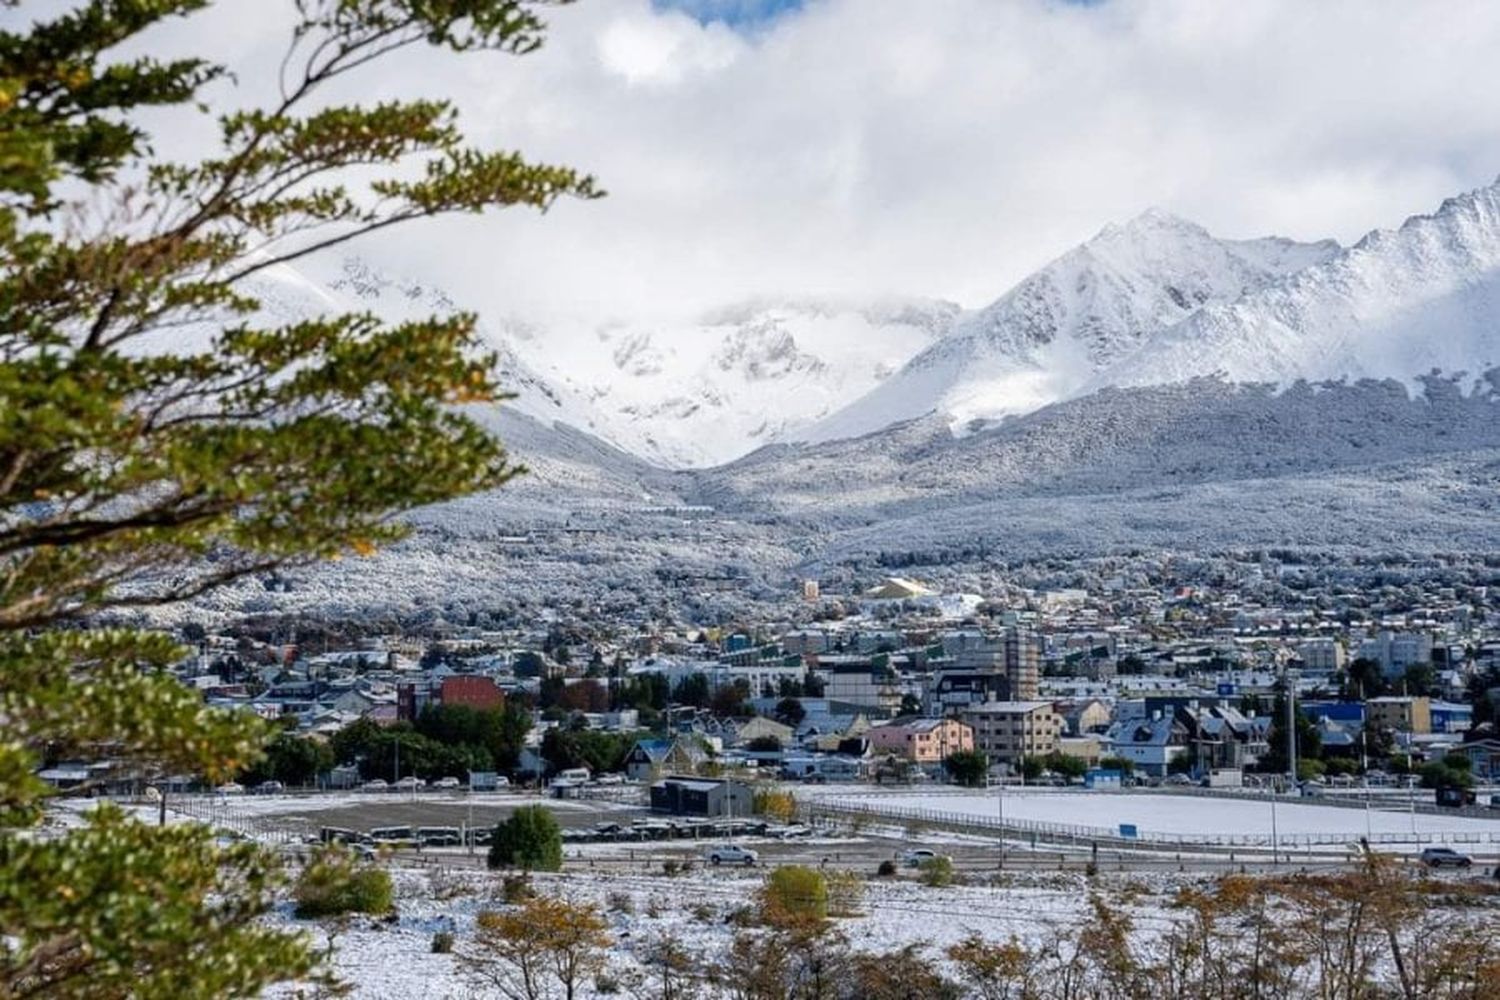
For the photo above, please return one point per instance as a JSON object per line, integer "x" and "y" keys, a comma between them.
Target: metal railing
{"x": 1079, "y": 833}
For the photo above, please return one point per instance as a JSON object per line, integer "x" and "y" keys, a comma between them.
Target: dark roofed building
{"x": 685, "y": 795}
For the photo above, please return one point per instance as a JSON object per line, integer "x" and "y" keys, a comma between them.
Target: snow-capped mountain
{"x": 1054, "y": 331}
{"x": 705, "y": 392}
{"x": 395, "y": 300}
{"x": 1399, "y": 304}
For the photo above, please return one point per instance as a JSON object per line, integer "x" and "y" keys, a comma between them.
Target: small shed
{"x": 685, "y": 795}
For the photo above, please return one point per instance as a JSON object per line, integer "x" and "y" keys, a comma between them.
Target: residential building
{"x": 1401, "y": 714}
{"x": 648, "y": 760}
{"x": 1151, "y": 744}
{"x": 1395, "y": 651}
{"x": 1484, "y": 759}
{"x": 1321, "y": 656}
{"x": 471, "y": 691}
{"x": 867, "y": 681}
{"x": 921, "y": 740}
{"x": 1023, "y": 663}
{"x": 1010, "y": 730}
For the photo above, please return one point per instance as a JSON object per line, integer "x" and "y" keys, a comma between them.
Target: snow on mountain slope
{"x": 1399, "y": 303}
{"x": 396, "y": 300}
{"x": 1164, "y": 435}
{"x": 706, "y": 392}
{"x": 1051, "y": 333}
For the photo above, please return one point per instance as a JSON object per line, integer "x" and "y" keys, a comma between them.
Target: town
{"x": 1178, "y": 684}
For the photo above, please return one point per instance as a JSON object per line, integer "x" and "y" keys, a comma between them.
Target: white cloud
{"x": 944, "y": 148}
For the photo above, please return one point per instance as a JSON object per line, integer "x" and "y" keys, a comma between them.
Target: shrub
{"x": 846, "y": 893}
{"x": 887, "y": 868}
{"x": 794, "y": 894}
{"x": 619, "y": 902}
{"x": 703, "y": 913}
{"x": 516, "y": 889}
{"x": 937, "y": 872}
{"x": 442, "y": 942}
{"x": 671, "y": 866}
{"x": 529, "y": 839}
{"x": 775, "y": 804}
{"x": 606, "y": 986}
{"x": 335, "y": 882}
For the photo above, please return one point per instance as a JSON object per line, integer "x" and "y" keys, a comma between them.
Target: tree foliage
{"x": 542, "y": 948}
{"x": 596, "y": 750}
{"x": 530, "y": 839}
{"x": 292, "y": 760}
{"x": 967, "y": 767}
{"x": 132, "y": 475}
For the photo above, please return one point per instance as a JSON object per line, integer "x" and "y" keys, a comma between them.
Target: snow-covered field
{"x": 1165, "y": 813}
{"x": 389, "y": 961}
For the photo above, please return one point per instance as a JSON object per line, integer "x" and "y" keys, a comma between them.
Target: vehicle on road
{"x": 919, "y": 856}
{"x": 387, "y": 834}
{"x": 1179, "y": 779}
{"x": 410, "y": 784}
{"x": 439, "y": 836}
{"x": 375, "y": 785}
{"x": 447, "y": 783}
{"x": 231, "y": 788}
{"x": 1445, "y": 857}
{"x": 731, "y": 854}
{"x": 269, "y": 788}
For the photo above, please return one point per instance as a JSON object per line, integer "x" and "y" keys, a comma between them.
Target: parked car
{"x": 439, "y": 836}
{"x": 731, "y": 854}
{"x": 919, "y": 856}
{"x": 447, "y": 783}
{"x": 410, "y": 784}
{"x": 375, "y": 785}
{"x": 231, "y": 788}
{"x": 269, "y": 788}
{"x": 1179, "y": 779}
{"x": 1445, "y": 857}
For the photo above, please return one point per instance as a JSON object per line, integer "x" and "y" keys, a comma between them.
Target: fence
{"x": 1080, "y": 834}
{"x": 224, "y": 813}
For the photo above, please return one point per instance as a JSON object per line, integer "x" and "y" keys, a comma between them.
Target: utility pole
{"x": 1291, "y": 725}
{"x": 1002, "y": 822}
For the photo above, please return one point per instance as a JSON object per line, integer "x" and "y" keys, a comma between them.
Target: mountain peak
{"x": 1078, "y": 315}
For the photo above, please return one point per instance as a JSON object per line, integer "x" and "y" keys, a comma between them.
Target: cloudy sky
{"x": 942, "y": 148}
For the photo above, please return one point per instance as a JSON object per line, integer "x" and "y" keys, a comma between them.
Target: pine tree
{"x": 130, "y": 476}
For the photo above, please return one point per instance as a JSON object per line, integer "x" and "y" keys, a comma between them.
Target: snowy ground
{"x": 388, "y": 961}
{"x": 1165, "y": 814}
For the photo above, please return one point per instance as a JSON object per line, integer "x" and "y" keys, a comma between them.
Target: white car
{"x": 731, "y": 854}
{"x": 231, "y": 788}
{"x": 917, "y": 857}
{"x": 410, "y": 783}
{"x": 375, "y": 785}
{"x": 447, "y": 783}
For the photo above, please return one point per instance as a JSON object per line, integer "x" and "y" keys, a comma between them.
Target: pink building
{"x": 919, "y": 740}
